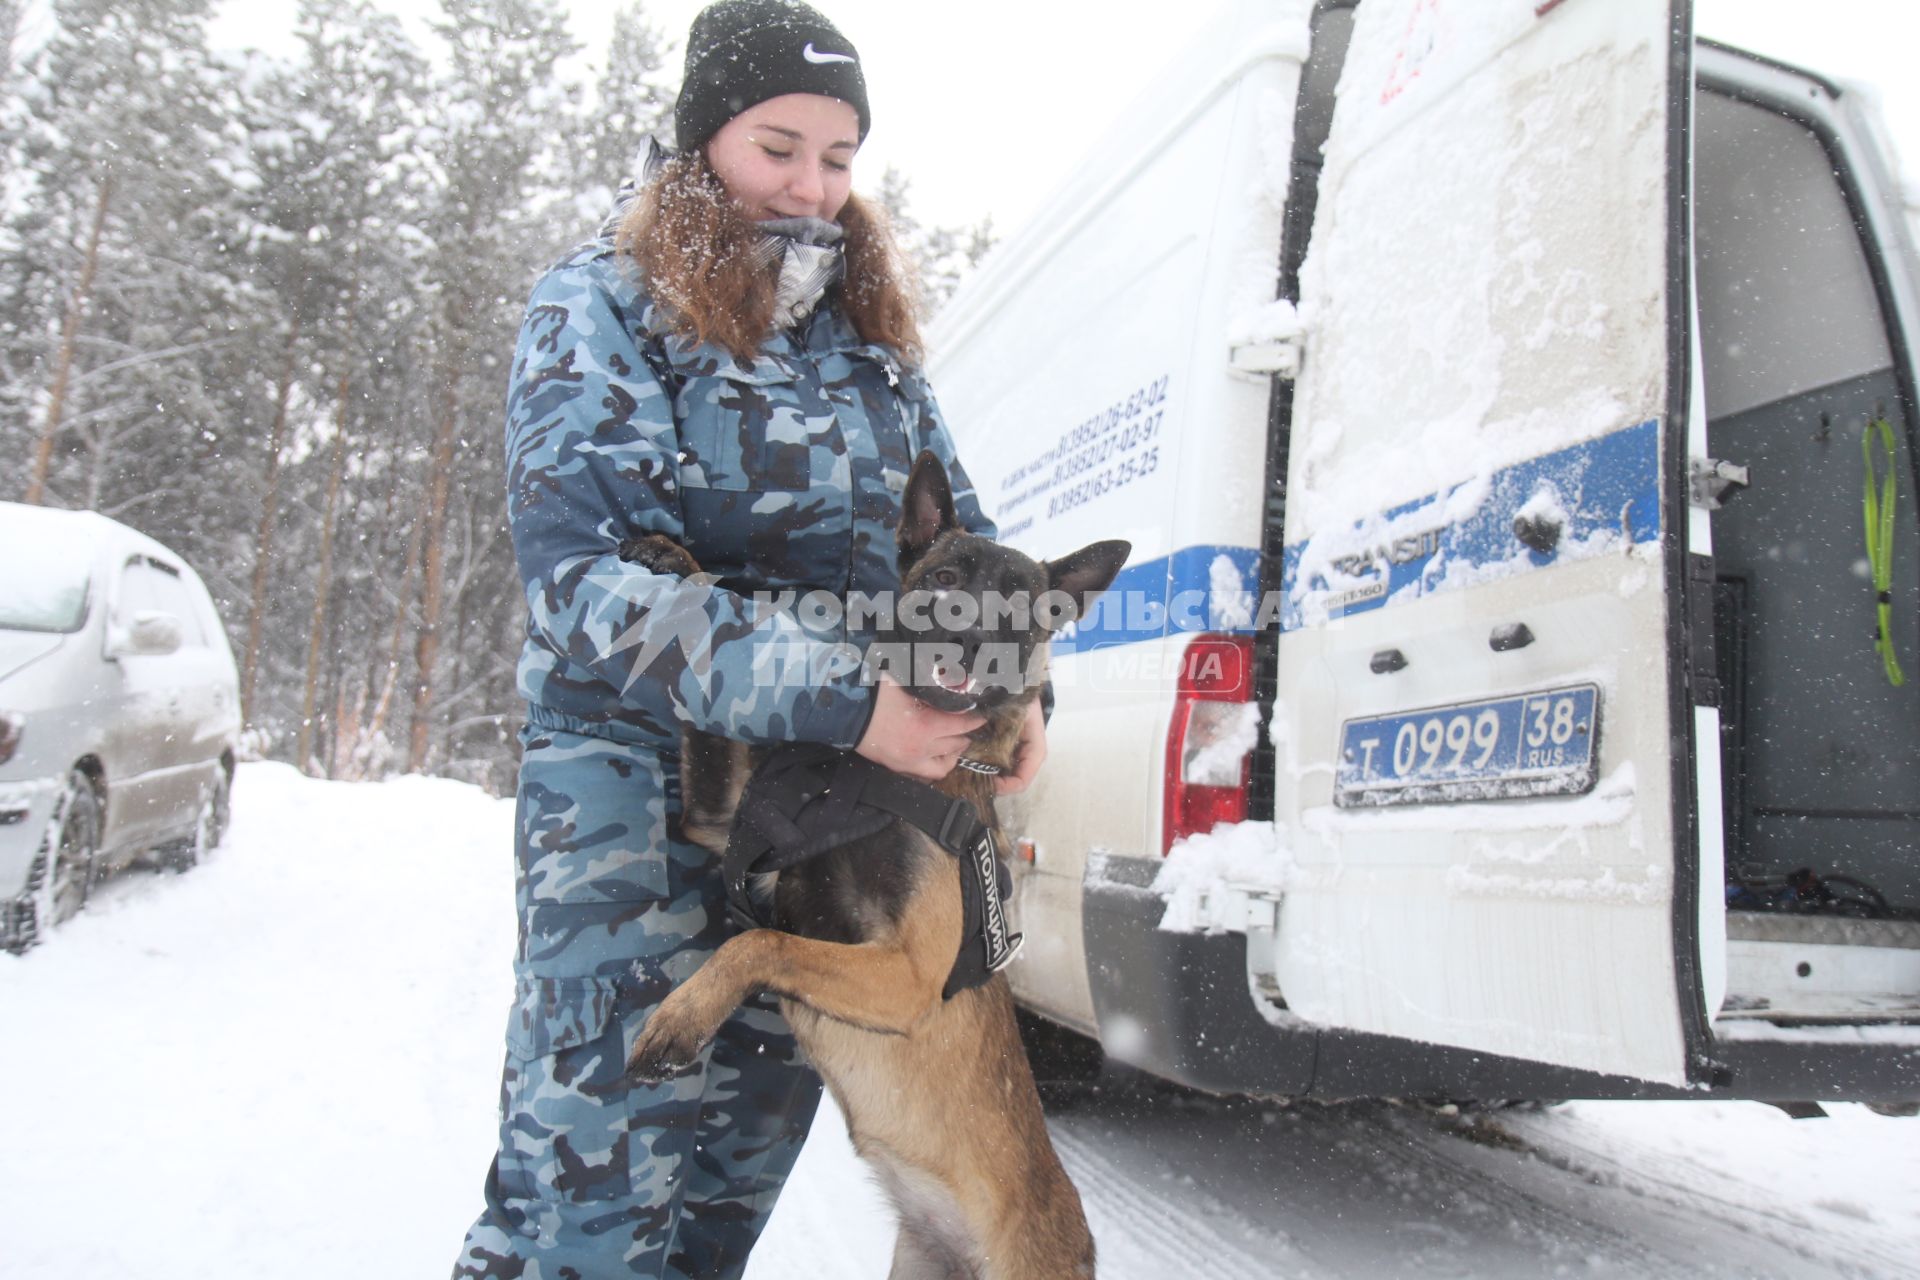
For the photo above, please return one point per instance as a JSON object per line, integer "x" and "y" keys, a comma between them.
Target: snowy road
{"x": 284, "y": 1065}
{"x": 1370, "y": 1189}
{"x": 1177, "y": 1185}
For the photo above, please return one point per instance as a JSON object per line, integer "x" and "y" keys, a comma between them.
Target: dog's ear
{"x": 1085, "y": 573}
{"x": 927, "y": 510}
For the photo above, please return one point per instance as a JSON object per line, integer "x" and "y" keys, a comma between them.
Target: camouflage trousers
{"x": 593, "y": 1177}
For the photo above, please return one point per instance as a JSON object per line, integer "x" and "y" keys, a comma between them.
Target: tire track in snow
{"x": 1141, "y": 1236}
{"x": 1690, "y": 1187}
{"x": 1326, "y": 1190}
{"x": 1458, "y": 1162}
{"x": 1179, "y": 1184}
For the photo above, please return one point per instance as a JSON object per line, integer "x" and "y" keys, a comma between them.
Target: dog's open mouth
{"x": 954, "y": 678}
{"x": 946, "y": 684}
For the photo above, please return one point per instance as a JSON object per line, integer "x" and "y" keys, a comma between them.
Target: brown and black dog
{"x": 937, "y": 1093}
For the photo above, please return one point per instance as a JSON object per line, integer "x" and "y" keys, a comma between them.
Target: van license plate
{"x": 1532, "y": 744}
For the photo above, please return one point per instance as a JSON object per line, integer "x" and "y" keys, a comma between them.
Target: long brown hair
{"x": 695, "y": 249}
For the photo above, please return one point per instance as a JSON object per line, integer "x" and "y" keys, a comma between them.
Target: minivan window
{"x": 177, "y": 599}
{"x": 138, "y": 593}
{"x": 46, "y": 591}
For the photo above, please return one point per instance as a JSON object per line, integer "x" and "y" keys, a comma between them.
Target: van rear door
{"x": 1484, "y": 719}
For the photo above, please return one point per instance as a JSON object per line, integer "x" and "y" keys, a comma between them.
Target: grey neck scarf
{"x": 809, "y": 259}
{"x": 807, "y": 249}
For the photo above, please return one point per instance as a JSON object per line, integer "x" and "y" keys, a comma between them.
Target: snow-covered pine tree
{"x": 501, "y": 139}
{"x": 333, "y": 226}
{"x": 15, "y": 398}
{"x": 10, "y": 119}
{"x": 942, "y": 256}
{"x": 116, "y": 278}
{"x": 633, "y": 99}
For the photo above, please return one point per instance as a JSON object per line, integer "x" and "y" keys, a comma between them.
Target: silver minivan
{"x": 119, "y": 712}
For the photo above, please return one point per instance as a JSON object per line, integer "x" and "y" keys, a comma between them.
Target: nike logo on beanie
{"x": 742, "y": 52}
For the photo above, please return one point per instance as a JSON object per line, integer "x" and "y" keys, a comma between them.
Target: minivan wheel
{"x": 209, "y": 826}
{"x": 219, "y": 811}
{"x": 73, "y": 846}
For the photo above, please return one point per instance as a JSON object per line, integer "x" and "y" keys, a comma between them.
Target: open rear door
{"x": 1483, "y": 731}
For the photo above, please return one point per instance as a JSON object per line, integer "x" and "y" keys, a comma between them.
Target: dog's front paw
{"x": 669, "y": 1046}
{"x": 660, "y": 554}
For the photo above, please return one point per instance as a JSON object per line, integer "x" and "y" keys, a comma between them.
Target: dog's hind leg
{"x": 932, "y": 1243}
{"x": 919, "y": 1257}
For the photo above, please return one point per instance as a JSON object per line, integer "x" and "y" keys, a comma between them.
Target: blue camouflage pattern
{"x": 783, "y": 473}
{"x": 594, "y": 1177}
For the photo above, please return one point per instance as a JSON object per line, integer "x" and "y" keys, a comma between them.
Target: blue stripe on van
{"x": 1607, "y": 491}
{"x": 1199, "y": 588}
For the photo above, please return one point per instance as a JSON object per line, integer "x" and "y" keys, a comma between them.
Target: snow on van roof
{"x": 1248, "y": 34}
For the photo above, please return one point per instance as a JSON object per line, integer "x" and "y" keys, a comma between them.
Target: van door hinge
{"x": 1711, "y": 1072}
{"x": 1703, "y": 662}
{"x": 1711, "y": 483}
{"x": 1279, "y": 357}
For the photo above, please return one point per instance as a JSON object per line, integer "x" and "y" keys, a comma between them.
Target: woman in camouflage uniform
{"x": 732, "y": 364}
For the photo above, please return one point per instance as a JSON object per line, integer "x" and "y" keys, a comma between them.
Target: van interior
{"x": 1820, "y": 742}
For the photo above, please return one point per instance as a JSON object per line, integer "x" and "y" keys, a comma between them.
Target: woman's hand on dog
{"x": 907, "y": 736}
{"x": 1028, "y": 756}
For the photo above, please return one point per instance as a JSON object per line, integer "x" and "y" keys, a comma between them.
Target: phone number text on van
{"x": 1121, "y": 473}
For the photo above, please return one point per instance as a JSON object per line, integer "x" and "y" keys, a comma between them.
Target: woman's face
{"x": 788, "y": 157}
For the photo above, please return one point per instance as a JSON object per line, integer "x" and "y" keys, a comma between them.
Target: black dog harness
{"x": 806, "y": 799}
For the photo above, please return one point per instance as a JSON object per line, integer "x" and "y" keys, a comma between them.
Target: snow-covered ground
{"x": 285, "y": 1065}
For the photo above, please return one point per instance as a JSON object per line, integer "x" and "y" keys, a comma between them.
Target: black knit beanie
{"x": 742, "y": 52}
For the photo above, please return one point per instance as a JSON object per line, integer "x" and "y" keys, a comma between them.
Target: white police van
{"x": 1501, "y": 478}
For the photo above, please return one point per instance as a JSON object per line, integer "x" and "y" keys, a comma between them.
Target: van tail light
{"x": 12, "y": 726}
{"x": 1211, "y": 738}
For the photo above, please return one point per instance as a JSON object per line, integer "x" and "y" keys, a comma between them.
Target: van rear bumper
{"x": 1179, "y": 1005}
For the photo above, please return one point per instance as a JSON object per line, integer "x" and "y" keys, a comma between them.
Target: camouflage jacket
{"x": 783, "y": 473}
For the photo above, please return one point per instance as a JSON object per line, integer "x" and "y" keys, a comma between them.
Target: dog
{"x": 937, "y": 1092}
